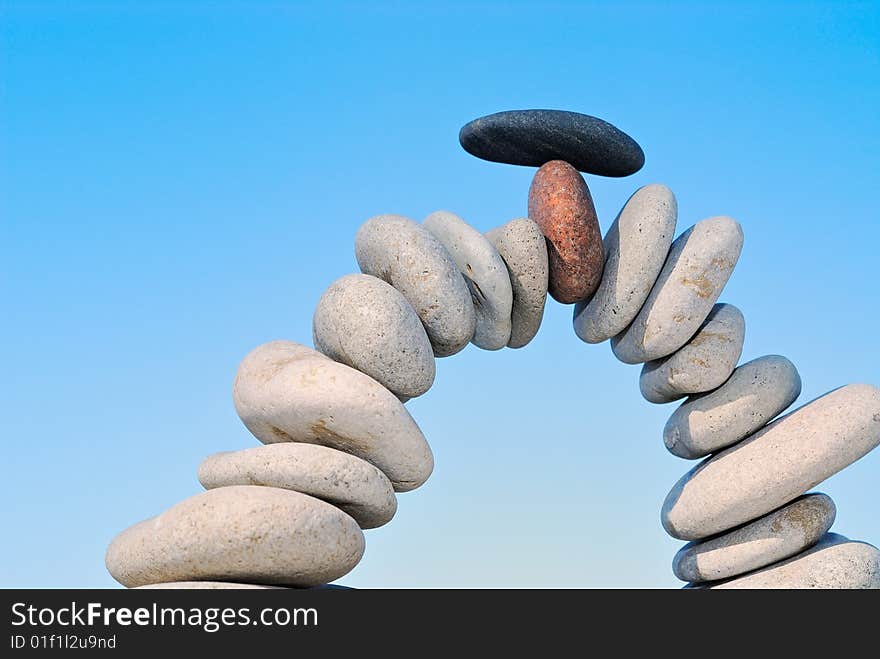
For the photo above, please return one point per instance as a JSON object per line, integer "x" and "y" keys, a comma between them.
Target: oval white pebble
{"x": 366, "y": 323}
{"x": 245, "y": 534}
{"x": 775, "y": 465}
{"x": 349, "y": 483}
{"x": 410, "y": 258}
{"x": 835, "y": 562}
{"x": 636, "y": 246}
{"x": 699, "y": 264}
{"x": 523, "y": 248}
{"x": 754, "y": 394}
{"x": 485, "y": 273}
{"x": 769, "y": 539}
{"x": 702, "y": 364}
{"x": 286, "y": 392}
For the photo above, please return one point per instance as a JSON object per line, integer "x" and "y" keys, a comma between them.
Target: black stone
{"x": 534, "y": 137}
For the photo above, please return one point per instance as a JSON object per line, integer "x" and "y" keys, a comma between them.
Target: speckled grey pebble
{"x": 753, "y": 395}
{"x": 366, "y": 323}
{"x": 834, "y": 563}
{"x": 349, "y": 483}
{"x": 243, "y": 533}
{"x": 775, "y": 465}
{"x": 485, "y": 273}
{"x": 636, "y": 246}
{"x": 410, "y": 258}
{"x": 702, "y": 364}
{"x": 699, "y": 264}
{"x": 524, "y": 250}
{"x": 769, "y": 539}
{"x": 286, "y": 392}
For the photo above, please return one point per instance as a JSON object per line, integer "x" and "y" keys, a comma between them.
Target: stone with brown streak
{"x": 702, "y": 364}
{"x": 561, "y": 205}
{"x": 699, "y": 264}
{"x": 771, "y": 538}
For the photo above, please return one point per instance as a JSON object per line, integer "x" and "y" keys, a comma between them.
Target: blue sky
{"x": 180, "y": 181}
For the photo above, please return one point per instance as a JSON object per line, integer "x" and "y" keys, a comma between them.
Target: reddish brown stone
{"x": 561, "y": 205}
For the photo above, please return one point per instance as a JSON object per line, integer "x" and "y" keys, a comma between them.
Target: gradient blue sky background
{"x": 180, "y": 182}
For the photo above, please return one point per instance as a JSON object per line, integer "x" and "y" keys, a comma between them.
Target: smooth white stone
{"x": 753, "y": 395}
{"x": 410, "y": 258}
{"x": 245, "y": 534}
{"x": 775, "y": 465}
{"x": 636, "y": 246}
{"x": 524, "y": 250}
{"x": 364, "y": 322}
{"x": 286, "y": 392}
{"x": 349, "y": 483}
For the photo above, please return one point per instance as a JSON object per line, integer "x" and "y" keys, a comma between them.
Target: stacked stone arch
{"x": 339, "y": 444}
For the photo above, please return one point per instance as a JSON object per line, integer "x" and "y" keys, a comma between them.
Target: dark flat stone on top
{"x": 535, "y": 137}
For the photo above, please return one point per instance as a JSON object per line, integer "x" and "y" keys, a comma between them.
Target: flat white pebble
{"x": 485, "y": 273}
{"x": 410, "y": 258}
{"x": 753, "y": 395}
{"x": 349, "y": 483}
{"x": 769, "y": 539}
{"x": 835, "y": 562}
{"x": 699, "y": 264}
{"x": 700, "y": 365}
{"x": 775, "y": 465}
{"x": 366, "y": 323}
{"x": 286, "y": 392}
{"x": 636, "y": 246}
{"x": 523, "y": 248}
{"x": 245, "y": 534}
